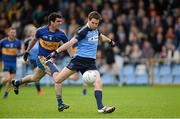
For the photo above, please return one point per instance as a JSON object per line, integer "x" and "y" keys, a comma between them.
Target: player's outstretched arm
{"x": 62, "y": 48}
{"x": 31, "y": 44}
{"x": 67, "y": 45}
{"x": 106, "y": 39}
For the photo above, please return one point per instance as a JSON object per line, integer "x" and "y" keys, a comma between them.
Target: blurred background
{"x": 147, "y": 34}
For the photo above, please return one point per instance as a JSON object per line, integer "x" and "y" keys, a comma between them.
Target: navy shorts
{"x": 10, "y": 67}
{"x": 81, "y": 64}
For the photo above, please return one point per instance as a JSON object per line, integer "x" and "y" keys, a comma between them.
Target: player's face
{"x": 12, "y": 34}
{"x": 57, "y": 22}
{"x": 93, "y": 23}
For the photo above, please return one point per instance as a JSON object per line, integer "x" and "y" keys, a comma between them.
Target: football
{"x": 89, "y": 76}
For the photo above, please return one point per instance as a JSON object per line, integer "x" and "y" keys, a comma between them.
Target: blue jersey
{"x": 9, "y": 49}
{"x": 49, "y": 41}
{"x": 87, "y": 42}
{"x": 33, "y": 53}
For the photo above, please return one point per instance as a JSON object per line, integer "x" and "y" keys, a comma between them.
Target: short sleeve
{"x": 64, "y": 39}
{"x": 38, "y": 34}
{"x": 81, "y": 34}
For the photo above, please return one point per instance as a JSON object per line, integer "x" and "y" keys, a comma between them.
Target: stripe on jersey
{"x": 49, "y": 45}
{"x": 10, "y": 51}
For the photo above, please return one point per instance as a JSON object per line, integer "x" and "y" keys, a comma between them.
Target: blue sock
{"x": 84, "y": 91}
{"x": 52, "y": 67}
{"x": 98, "y": 96}
{"x": 6, "y": 94}
{"x": 59, "y": 99}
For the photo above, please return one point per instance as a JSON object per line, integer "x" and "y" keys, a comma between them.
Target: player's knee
{"x": 35, "y": 78}
{"x": 98, "y": 84}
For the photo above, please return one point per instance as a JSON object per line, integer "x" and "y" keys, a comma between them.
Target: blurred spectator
{"x": 135, "y": 54}
{"x": 129, "y": 20}
{"x": 147, "y": 50}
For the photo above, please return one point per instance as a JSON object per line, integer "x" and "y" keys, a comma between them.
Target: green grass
{"x": 133, "y": 101}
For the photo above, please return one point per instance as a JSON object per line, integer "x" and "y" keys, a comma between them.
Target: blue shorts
{"x": 82, "y": 64}
{"x": 49, "y": 69}
{"x": 10, "y": 67}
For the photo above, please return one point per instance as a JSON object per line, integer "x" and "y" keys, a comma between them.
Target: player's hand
{"x": 25, "y": 56}
{"x": 52, "y": 55}
{"x": 112, "y": 43}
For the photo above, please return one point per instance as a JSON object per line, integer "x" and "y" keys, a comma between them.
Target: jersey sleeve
{"x": 81, "y": 34}
{"x": 38, "y": 34}
{"x": 64, "y": 39}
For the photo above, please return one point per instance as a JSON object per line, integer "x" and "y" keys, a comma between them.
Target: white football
{"x": 89, "y": 76}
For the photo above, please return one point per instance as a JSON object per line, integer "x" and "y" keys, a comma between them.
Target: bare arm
{"x": 70, "y": 51}
{"x": 104, "y": 38}
{"x": 67, "y": 45}
{"x": 31, "y": 44}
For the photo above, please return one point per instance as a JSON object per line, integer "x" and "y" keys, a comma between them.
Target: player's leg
{"x": 85, "y": 85}
{"x": 106, "y": 68}
{"x": 36, "y": 76}
{"x": 75, "y": 77}
{"x": 116, "y": 71}
{"x": 3, "y": 79}
{"x": 7, "y": 83}
{"x": 98, "y": 95}
{"x": 63, "y": 75}
{"x": 37, "y": 84}
{"x": 58, "y": 77}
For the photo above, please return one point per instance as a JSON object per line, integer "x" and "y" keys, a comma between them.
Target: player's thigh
{"x": 65, "y": 73}
{"x": 74, "y": 76}
{"x": 7, "y": 75}
{"x": 38, "y": 74}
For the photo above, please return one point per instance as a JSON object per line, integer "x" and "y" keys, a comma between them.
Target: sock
{"x": 59, "y": 99}
{"x": 18, "y": 82}
{"x": 117, "y": 77}
{"x": 52, "y": 67}
{"x": 38, "y": 87}
{"x": 84, "y": 91}
{"x": 6, "y": 94}
{"x": 98, "y": 96}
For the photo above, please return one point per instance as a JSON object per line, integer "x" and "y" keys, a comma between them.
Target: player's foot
{"x": 106, "y": 109}
{"x": 5, "y": 95}
{"x": 15, "y": 84}
{"x": 62, "y": 107}
{"x": 41, "y": 93}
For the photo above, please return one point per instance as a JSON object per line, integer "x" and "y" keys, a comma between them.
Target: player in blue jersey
{"x": 87, "y": 39}
{"x": 50, "y": 38}
{"x": 33, "y": 53}
{"x": 9, "y": 47}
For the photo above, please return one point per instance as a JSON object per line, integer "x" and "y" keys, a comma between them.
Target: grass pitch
{"x": 133, "y": 101}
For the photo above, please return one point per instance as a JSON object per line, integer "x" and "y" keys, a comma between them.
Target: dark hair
{"x": 53, "y": 16}
{"x": 11, "y": 28}
{"x": 95, "y": 15}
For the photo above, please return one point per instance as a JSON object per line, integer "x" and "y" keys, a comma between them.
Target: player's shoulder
{"x": 17, "y": 40}
{"x": 42, "y": 28}
{"x": 61, "y": 31}
{"x": 4, "y": 40}
{"x": 84, "y": 29}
